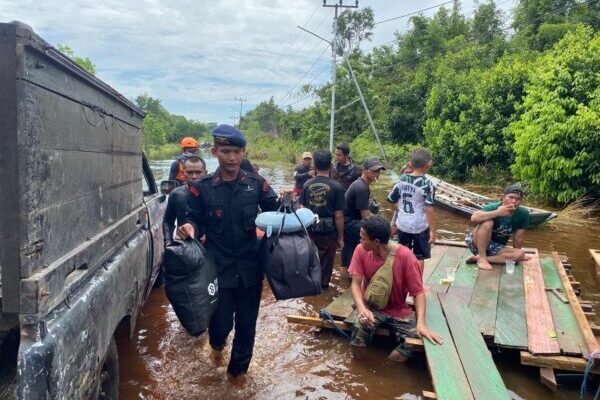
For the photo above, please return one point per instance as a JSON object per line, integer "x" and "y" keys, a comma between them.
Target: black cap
{"x": 373, "y": 164}
{"x": 227, "y": 135}
{"x": 514, "y": 189}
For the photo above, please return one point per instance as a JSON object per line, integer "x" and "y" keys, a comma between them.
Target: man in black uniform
{"x": 358, "y": 206}
{"x": 344, "y": 170}
{"x": 325, "y": 197}
{"x": 194, "y": 168}
{"x": 225, "y": 203}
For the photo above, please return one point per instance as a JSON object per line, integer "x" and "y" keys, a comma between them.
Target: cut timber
{"x": 584, "y": 326}
{"x": 449, "y": 379}
{"x": 540, "y": 327}
{"x": 548, "y": 379}
{"x": 429, "y": 395}
{"x": 511, "y": 328}
{"x": 485, "y": 300}
{"x": 315, "y": 321}
{"x": 464, "y": 280}
{"x": 341, "y": 307}
{"x": 452, "y": 258}
{"x": 565, "y": 363}
{"x": 414, "y": 343}
{"x": 437, "y": 252}
{"x": 477, "y": 362}
{"x": 565, "y": 325}
{"x": 596, "y": 257}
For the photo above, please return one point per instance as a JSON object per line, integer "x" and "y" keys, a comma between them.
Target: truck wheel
{"x": 108, "y": 384}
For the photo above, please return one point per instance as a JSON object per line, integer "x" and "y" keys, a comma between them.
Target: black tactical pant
{"x": 242, "y": 304}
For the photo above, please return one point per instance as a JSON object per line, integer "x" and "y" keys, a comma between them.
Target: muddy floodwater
{"x": 298, "y": 362}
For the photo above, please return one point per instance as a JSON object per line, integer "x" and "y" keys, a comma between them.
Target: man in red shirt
{"x": 369, "y": 256}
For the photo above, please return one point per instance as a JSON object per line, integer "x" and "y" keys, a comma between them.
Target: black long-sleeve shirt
{"x": 227, "y": 210}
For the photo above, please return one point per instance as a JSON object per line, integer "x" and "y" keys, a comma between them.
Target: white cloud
{"x": 196, "y": 56}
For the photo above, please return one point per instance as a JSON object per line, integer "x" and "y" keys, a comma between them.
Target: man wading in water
{"x": 226, "y": 204}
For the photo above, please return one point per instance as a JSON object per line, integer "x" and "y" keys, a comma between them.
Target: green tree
{"x": 557, "y": 137}
{"x": 354, "y": 27}
{"x": 84, "y": 63}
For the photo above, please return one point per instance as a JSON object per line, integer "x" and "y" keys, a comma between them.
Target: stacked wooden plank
{"x": 462, "y": 367}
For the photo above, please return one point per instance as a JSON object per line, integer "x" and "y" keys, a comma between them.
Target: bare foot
{"x": 483, "y": 263}
{"x": 472, "y": 259}
{"x": 396, "y": 356}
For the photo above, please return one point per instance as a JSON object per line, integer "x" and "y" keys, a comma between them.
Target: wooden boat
{"x": 462, "y": 201}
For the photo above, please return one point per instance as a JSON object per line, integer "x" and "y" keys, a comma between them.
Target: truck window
{"x": 148, "y": 184}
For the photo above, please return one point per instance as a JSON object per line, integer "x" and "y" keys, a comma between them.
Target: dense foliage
{"x": 161, "y": 127}
{"x": 492, "y": 95}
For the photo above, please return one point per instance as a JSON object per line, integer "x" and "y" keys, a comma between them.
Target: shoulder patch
{"x": 195, "y": 192}
{"x": 265, "y": 186}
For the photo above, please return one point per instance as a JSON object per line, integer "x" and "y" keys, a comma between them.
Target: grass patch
{"x": 162, "y": 152}
{"x": 582, "y": 211}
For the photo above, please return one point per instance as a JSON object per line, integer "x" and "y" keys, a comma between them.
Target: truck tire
{"x": 108, "y": 382}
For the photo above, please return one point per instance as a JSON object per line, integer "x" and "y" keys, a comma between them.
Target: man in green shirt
{"x": 496, "y": 222}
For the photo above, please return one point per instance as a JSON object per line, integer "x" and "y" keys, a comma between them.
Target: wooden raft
{"x": 534, "y": 310}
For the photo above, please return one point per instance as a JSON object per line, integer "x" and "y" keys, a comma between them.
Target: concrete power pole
{"x": 333, "y": 64}
{"x": 241, "y": 100}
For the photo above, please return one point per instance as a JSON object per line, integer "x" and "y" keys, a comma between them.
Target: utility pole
{"x": 241, "y": 100}
{"x": 333, "y": 63}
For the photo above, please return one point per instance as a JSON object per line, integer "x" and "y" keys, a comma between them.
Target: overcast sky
{"x": 197, "y": 56}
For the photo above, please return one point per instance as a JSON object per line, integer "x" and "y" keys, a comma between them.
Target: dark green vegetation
{"x": 163, "y": 131}
{"x": 492, "y": 96}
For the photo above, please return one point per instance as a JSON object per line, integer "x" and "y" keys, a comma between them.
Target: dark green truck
{"x": 80, "y": 223}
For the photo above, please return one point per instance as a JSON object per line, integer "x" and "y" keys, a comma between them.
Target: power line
{"x": 413, "y": 13}
{"x": 285, "y": 59}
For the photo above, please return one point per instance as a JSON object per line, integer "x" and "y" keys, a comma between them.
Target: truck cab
{"x": 80, "y": 223}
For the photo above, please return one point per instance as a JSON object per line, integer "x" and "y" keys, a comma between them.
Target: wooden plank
{"x": 437, "y": 252}
{"x": 429, "y": 395}
{"x": 341, "y": 307}
{"x": 548, "y": 378}
{"x": 316, "y": 321}
{"x": 565, "y": 363}
{"x": 596, "y": 257}
{"x": 584, "y": 326}
{"x": 484, "y": 301}
{"x": 449, "y": 379}
{"x": 511, "y": 328}
{"x": 540, "y": 326}
{"x": 482, "y": 374}
{"x": 565, "y": 324}
{"x": 464, "y": 280}
{"x": 451, "y": 258}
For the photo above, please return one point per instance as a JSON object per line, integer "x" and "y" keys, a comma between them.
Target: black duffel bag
{"x": 191, "y": 284}
{"x": 291, "y": 261}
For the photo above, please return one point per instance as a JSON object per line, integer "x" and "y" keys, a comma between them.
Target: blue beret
{"x": 227, "y": 135}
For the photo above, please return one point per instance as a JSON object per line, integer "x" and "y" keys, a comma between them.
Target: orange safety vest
{"x": 180, "y": 177}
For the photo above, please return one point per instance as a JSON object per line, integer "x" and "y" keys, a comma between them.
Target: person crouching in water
{"x": 371, "y": 255}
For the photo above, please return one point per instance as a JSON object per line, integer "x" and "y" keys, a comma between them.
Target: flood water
{"x": 297, "y": 362}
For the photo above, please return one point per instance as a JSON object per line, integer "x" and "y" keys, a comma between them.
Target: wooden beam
{"x": 316, "y": 321}
{"x": 429, "y": 395}
{"x": 414, "y": 344}
{"x": 577, "y": 364}
{"x": 596, "y": 257}
{"x": 584, "y": 326}
{"x": 548, "y": 379}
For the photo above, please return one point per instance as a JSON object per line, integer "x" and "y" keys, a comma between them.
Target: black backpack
{"x": 191, "y": 284}
{"x": 291, "y": 261}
